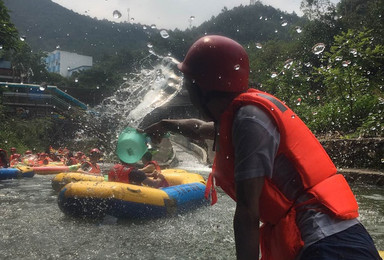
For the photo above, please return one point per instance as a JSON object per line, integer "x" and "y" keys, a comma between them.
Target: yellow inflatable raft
{"x": 61, "y": 179}
{"x": 54, "y": 169}
{"x": 122, "y": 200}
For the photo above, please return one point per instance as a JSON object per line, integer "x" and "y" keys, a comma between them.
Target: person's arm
{"x": 247, "y": 217}
{"x": 156, "y": 181}
{"x": 192, "y": 128}
{"x": 150, "y": 168}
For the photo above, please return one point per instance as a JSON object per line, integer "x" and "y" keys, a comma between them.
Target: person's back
{"x": 3, "y": 159}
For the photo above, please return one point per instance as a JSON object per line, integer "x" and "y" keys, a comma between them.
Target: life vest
{"x": 120, "y": 173}
{"x": 280, "y": 237}
{"x": 94, "y": 168}
{"x": 14, "y": 156}
{"x": 72, "y": 161}
{"x": 14, "y": 159}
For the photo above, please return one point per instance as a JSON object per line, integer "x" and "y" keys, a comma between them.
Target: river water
{"x": 33, "y": 227}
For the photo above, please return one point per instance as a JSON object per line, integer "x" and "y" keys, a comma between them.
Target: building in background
{"x": 65, "y": 63}
{"x": 7, "y": 74}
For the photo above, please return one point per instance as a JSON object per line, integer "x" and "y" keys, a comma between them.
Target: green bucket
{"x": 131, "y": 145}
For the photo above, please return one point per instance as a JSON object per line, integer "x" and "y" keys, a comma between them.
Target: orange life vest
{"x": 120, "y": 173}
{"x": 280, "y": 236}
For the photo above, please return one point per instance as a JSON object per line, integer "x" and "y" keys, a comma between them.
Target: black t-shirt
{"x": 136, "y": 176}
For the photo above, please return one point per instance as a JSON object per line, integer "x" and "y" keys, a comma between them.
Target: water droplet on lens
{"x": 353, "y": 51}
{"x": 116, "y": 14}
{"x": 298, "y": 29}
{"x": 164, "y": 34}
{"x": 346, "y": 63}
{"x": 288, "y": 63}
{"x": 259, "y": 46}
{"x": 274, "y": 75}
{"x": 338, "y": 58}
{"x": 284, "y": 23}
{"x": 318, "y": 48}
{"x": 237, "y": 67}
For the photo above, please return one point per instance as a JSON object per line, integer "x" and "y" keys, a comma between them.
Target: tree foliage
{"x": 8, "y": 32}
{"x": 338, "y": 88}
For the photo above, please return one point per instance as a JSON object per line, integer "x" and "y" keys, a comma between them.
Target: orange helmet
{"x": 217, "y": 63}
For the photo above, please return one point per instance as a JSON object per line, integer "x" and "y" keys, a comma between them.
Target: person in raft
{"x": 91, "y": 166}
{"x": 268, "y": 161}
{"x": 3, "y": 159}
{"x": 150, "y": 175}
{"x": 13, "y": 154}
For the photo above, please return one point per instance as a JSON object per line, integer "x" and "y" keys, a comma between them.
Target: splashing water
{"x": 154, "y": 85}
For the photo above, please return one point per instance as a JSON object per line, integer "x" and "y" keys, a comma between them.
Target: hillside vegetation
{"x": 327, "y": 66}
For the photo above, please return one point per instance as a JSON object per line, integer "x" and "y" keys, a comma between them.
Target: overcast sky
{"x": 166, "y": 14}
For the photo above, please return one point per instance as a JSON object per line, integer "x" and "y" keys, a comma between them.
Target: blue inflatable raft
{"x": 122, "y": 200}
{"x": 16, "y": 172}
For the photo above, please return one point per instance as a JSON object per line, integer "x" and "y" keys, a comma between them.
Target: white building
{"x": 65, "y": 63}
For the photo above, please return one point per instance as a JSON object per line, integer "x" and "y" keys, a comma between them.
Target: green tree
{"x": 8, "y": 32}
{"x": 353, "y": 76}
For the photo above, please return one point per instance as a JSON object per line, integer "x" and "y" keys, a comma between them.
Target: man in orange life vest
{"x": 268, "y": 161}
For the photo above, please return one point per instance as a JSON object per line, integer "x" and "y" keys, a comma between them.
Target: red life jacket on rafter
{"x": 120, "y": 173}
{"x": 280, "y": 236}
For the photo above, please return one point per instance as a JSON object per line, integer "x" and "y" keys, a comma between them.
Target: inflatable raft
{"x": 54, "y": 169}
{"x": 16, "y": 172}
{"x": 121, "y": 200}
{"x": 61, "y": 179}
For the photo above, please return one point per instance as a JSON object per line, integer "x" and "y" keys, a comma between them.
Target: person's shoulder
{"x": 252, "y": 112}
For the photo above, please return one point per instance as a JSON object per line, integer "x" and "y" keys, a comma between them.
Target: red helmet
{"x": 95, "y": 150}
{"x": 28, "y": 152}
{"x": 217, "y": 63}
{"x": 13, "y": 149}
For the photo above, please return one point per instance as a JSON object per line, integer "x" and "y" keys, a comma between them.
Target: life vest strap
{"x": 210, "y": 190}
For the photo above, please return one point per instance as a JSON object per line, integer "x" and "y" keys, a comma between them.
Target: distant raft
{"x": 54, "y": 169}
{"x": 16, "y": 172}
{"x": 128, "y": 201}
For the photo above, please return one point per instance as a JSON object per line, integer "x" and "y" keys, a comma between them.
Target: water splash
{"x": 155, "y": 83}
